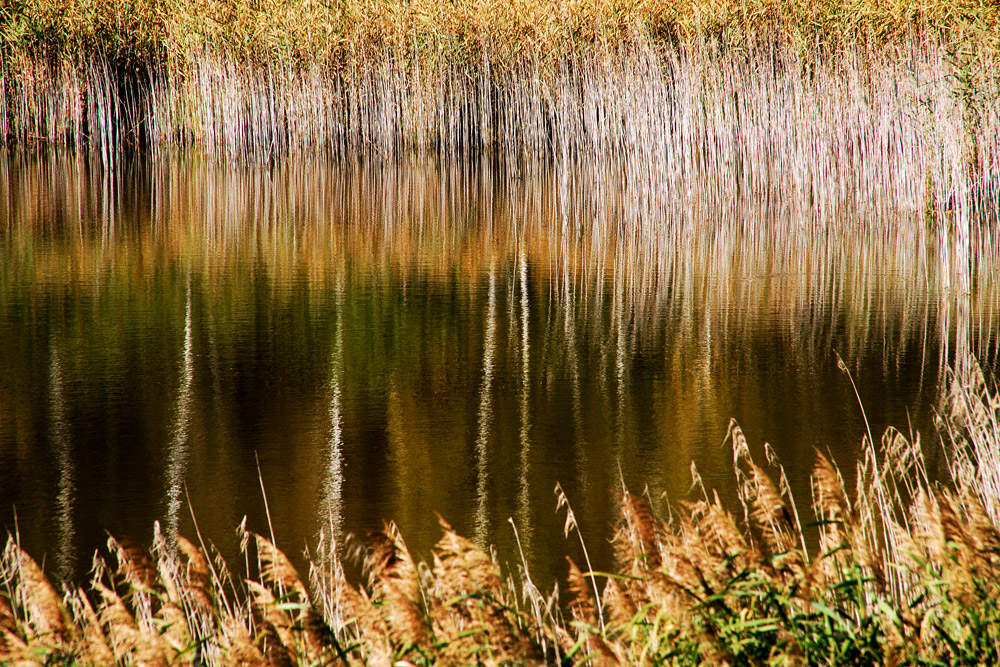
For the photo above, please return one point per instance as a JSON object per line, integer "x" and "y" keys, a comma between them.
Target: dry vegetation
{"x": 429, "y": 73}
{"x": 887, "y": 107}
{"x": 815, "y": 106}
{"x": 466, "y": 31}
{"x": 904, "y": 571}
{"x": 891, "y": 106}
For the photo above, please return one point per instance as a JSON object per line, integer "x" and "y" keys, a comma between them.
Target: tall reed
{"x": 906, "y": 136}
{"x": 824, "y": 102}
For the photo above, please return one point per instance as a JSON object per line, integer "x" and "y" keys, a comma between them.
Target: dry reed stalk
{"x": 770, "y": 513}
{"x": 92, "y": 645}
{"x": 641, "y": 534}
{"x": 190, "y": 616}
{"x": 621, "y": 610}
{"x": 582, "y": 606}
{"x": 302, "y": 631}
{"x": 363, "y": 622}
{"x": 630, "y": 557}
{"x": 45, "y": 619}
{"x": 695, "y": 567}
{"x": 172, "y": 622}
{"x": 135, "y": 566}
{"x": 472, "y": 613}
{"x": 355, "y": 622}
{"x": 277, "y": 630}
{"x": 197, "y": 578}
{"x": 277, "y": 571}
{"x": 581, "y": 603}
{"x": 238, "y": 646}
{"x": 130, "y": 642}
{"x": 394, "y": 583}
{"x": 835, "y": 514}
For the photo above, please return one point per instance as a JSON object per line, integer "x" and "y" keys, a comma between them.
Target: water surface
{"x": 390, "y": 341}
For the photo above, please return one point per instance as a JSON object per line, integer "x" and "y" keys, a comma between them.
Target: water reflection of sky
{"x": 387, "y": 343}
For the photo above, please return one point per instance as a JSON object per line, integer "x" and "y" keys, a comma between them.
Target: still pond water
{"x": 386, "y": 342}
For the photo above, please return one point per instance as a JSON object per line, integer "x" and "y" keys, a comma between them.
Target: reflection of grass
{"x": 236, "y": 230}
{"x": 905, "y": 573}
{"x": 313, "y": 216}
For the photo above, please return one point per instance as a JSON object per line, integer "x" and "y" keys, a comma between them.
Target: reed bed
{"x": 889, "y": 111}
{"x": 812, "y": 94}
{"x": 896, "y": 137}
{"x": 901, "y": 571}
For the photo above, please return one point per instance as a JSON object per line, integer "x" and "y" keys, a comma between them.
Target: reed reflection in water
{"x": 390, "y": 341}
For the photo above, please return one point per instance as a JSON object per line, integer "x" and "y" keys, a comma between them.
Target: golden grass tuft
{"x": 477, "y": 618}
{"x": 394, "y": 582}
{"x": 45, "y": 615}
{"x": 92, "y": 645}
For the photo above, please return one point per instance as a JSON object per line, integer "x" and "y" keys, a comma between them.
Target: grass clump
{"x": 902, "y": 571}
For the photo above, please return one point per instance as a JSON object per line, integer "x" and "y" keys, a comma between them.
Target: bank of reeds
{"x": 889, "y": 110}
{"x": 900, "y": 571}
{"x": 259, "y": 78}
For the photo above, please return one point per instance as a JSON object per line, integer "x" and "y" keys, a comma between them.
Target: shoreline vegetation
{"x": 262, "y": 78}
{"x": 900, "y": 571}
{"x": 830, "y": 110}
{"x": 832, "y": 113}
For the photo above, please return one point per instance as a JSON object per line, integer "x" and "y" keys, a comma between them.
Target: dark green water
{"x": 383, "y": 342}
